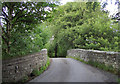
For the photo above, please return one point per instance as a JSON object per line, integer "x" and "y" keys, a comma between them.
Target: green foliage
{"x": 25, "y": 78}
{"x": 119, "y": 80}
{"x": 35, "y": 72}
{"x": 28, "y": 43}
{"x": 74, "y": 25}
{"x": 22, "y": 30}
{"x": 82, "y": 25}
{"x": 77, "y": 59}
{"x": 102, "y": 66}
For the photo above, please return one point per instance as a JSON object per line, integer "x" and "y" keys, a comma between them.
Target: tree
{"x": 82, "y": 25}
{"x": 20, "y": 20}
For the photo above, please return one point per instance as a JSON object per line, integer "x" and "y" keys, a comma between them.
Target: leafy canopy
{"x": 82, "y": 25}
{"x": 21, "y": 32}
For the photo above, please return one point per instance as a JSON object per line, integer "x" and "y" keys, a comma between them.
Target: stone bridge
{"x": 63, "y": 69}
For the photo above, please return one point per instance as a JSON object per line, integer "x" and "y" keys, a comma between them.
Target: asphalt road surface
{"x": 70, "y": 70}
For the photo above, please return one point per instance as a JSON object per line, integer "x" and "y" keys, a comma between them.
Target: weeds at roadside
{"x": 36, "y": 72}
{"x": 98, "y": 65}
{"x": 118, "y": 80}
{"x": 25, "y": 78}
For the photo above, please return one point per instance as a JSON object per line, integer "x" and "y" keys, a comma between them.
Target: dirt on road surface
{"x": 70, "y": 70}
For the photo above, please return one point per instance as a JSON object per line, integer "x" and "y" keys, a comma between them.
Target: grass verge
{"x": 100, "y": 66}
{"x": 35, "y": 73}
{"x": 119, "y": 80}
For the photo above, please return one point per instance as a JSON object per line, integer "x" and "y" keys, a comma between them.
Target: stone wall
{"x": 108, "y": 58}
{"x": 15, "y": 69}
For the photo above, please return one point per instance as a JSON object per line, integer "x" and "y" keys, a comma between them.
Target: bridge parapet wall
{"x": 15, "y": 69}
{"x": 108, "y": 58}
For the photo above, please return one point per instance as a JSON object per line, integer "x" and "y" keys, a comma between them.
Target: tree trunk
{"x": 56, "y": 48}
{"x": 9, "y": 27}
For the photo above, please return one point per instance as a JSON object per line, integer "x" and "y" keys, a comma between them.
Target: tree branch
{"x": 5, "y": 40}
{"x": 18, "y": 13}
{"x": 6, "y": 19}
{"x": 4, "y": 13}
{"x": 17, "y": 20}
{"x": 3, "y": 31}
{"x": 6, "y": 5}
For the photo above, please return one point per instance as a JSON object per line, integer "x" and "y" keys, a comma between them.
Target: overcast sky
{"x": 111, "y": 7}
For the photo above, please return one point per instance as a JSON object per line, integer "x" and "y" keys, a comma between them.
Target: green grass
{"x": 37, "y": 72}
{"x": 98, "y": 65}
{"x": 77, "y": 59}
{"x": 25, "y": 78}
{"x": 103, "y": 66}
{"x": 119, "y": 80}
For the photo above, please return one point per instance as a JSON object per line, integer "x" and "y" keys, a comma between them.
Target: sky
{"x": 111, "y": 7}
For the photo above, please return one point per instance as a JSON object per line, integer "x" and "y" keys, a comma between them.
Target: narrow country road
{"x": 70, "y": 70}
